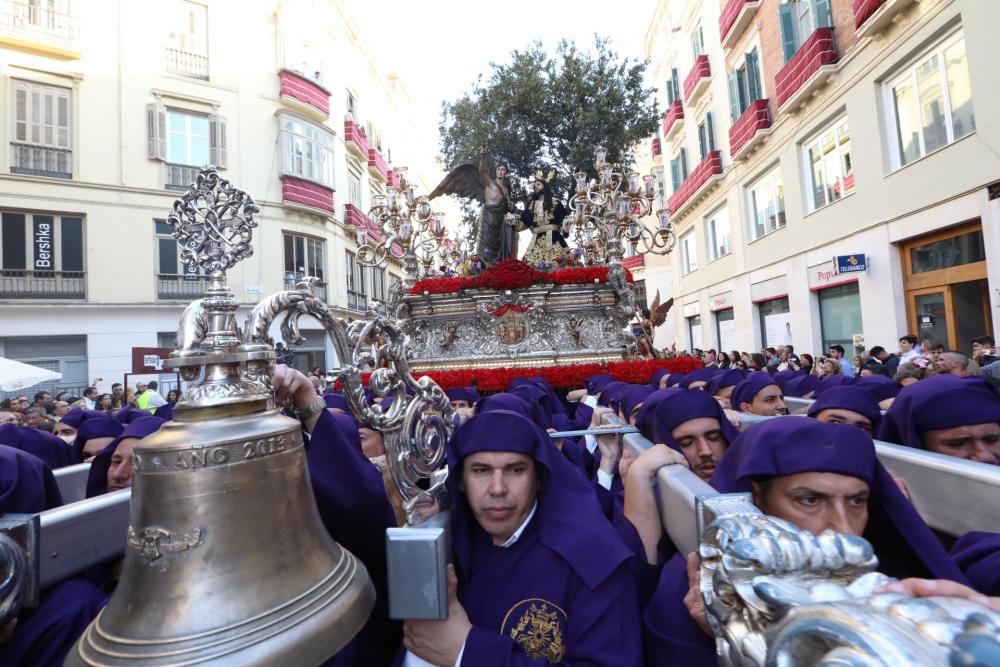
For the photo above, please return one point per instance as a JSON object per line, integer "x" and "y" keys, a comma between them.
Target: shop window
{"x": 774, "y": 322}
{"x": 725, "y": 330}
{"x": 840, "y": 315}
{"x": 694, "y": 333}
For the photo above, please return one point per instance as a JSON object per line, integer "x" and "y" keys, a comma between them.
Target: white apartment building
{"x": 110, "y": 109}
{"x": 858, "y": 133}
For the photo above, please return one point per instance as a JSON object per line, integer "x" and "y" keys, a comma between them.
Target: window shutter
{"x": 675, "y": 88}
{"x": 709, "y": 132}
{"x": 675, "y": 174}
{"x": 702, "y": 141}
{"x": 684, "y": 165}
{"x": 217, "y": 140}
{"x": 786, "y": 18}
{"x": 821, "y": 12}
{"x": 753, "y": 76}
{"x": 156, "y": 132}
{"x": 734, "y": 97}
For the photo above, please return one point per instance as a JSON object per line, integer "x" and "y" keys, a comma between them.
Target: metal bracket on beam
{"x": 417, "y": 559}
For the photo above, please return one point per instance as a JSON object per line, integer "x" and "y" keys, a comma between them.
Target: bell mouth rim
{"x": 336, "y": 586}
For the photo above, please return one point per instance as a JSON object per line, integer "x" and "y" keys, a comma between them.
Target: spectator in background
{"x": 859, "y": 362}
{"x": 757, "y": 362}
{"x": 807, "y": 363}
{"x": 932, "y": 350}
{"x": 43, "y": 400}
{"x": 105, "y": 403}
{"x": 836, "y": 352}
{"x": 951, "y": 362}
{"x": 829, "y": 366}
{"x": 89, "y": 400}
{"x": 10, "y": 416}
{"x": 908, "y": 374}
{"x": 117, "y": 396}
{"x": 150, "y": 399}
{"x": 59, "y": 408}
{"x": 772, "y": 357}
{"x": 173, "y": 396}
{"x": 37, "y": 418}
{"x": 984, "y": 350}
{"x": 908, "y": 348}
{"x": 710, "y": 359}
{"x": 890, "y": 361}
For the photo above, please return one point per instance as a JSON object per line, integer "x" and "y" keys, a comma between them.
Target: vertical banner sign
{"x": 44, "y": 241}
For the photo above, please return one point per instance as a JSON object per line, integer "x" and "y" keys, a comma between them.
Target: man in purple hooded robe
{"x": 947, "y": 414}
{"x": 43, "y": 635}
{"x": 818, "y": 476}
{"x": 529, "y": 585}
{"x": 848, "y": 405}
{"x": 49, "y": 448}
{"x": 759, "y": 394}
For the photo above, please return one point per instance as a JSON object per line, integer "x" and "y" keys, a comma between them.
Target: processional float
{"x": 227, "y": 562}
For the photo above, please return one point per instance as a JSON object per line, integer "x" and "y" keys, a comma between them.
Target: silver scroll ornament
{"x": 778, "y": 596}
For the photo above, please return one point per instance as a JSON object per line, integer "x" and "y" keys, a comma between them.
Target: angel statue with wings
{"x": 651, "y": 318}
{"x": 496, "y": 240}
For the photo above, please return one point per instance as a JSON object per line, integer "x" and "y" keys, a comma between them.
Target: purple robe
{"x": 514, "y": 403}
{"x": 978, "y": 555}
{"x": 938, "y": 402}
{"x": 467, "y": 394}
{"x": 750, "y": 387}
{"x": 644, "y": 420}
{"x": 698, "y": 375}
{"x": 782, "y": 378}
{"x": 634, "y": 396}
{"x": 596, "y": 383}
{"x": 45, "y": 634}
{"x": 848, "y": 397}
{"x": 799, "y": 386}
{"x": 97, "y": 477}
{"x": 831, "y": 381}
{"x": 878, "y": 387}
{"x": 95, "y": 425}
{"x": 336, "y": 400}
{"x": 657, "y": 375}
{"x": 355, "y": 510}
{"x": 50, "y": 449}
{"x": 611, "y": 393}
{"x": 550, "y": 595}
{"x": 684, "y": 406}
{"x": 729, "y": 378}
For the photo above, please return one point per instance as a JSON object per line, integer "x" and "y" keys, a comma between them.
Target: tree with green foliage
{"x": 548, "y": 112}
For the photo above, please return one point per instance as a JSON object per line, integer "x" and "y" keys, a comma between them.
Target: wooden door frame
{"x": 949, "y": 312}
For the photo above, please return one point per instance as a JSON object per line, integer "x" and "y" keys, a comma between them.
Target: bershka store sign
{"x": 43, "y": 238}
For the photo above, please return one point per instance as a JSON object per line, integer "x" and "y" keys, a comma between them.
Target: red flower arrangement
{"x": 560, "y": 377}
{"x": 513, "y": 274}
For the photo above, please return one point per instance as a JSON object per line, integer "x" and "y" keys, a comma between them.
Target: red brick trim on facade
{"x": 307, "y": 193}
{"x": 816, "y": 51}
{"x": 710, "y": 166}
{"x": 302, "y": 89}
{"x": 757, "y": 117}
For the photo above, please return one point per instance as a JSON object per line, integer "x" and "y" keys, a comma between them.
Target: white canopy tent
{"x": 15, "y": 376}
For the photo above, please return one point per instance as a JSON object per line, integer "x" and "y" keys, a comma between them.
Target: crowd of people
{"x": 559, "y": 552}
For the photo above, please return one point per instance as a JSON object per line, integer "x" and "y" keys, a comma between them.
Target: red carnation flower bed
{"x": 560, "y": 377}
{"x": 513, "y": 274}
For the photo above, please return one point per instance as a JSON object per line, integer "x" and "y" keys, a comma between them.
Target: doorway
{"x": 947, "y": 298}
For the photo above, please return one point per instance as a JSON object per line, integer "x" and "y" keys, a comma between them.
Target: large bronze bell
{"x": 227, "y": 560}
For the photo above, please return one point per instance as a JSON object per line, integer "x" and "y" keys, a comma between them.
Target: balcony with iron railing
{"x": 179, "y": 177}
{"x": 33, "y": 160}
{"x": 292, "y": 278}
{"x": 750, "y": 129}
{"x": 26, "y": 284}
{"x": 187, "y": 63}
{"x": 180, "y": 286}
{"x": 40, "y": 29}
